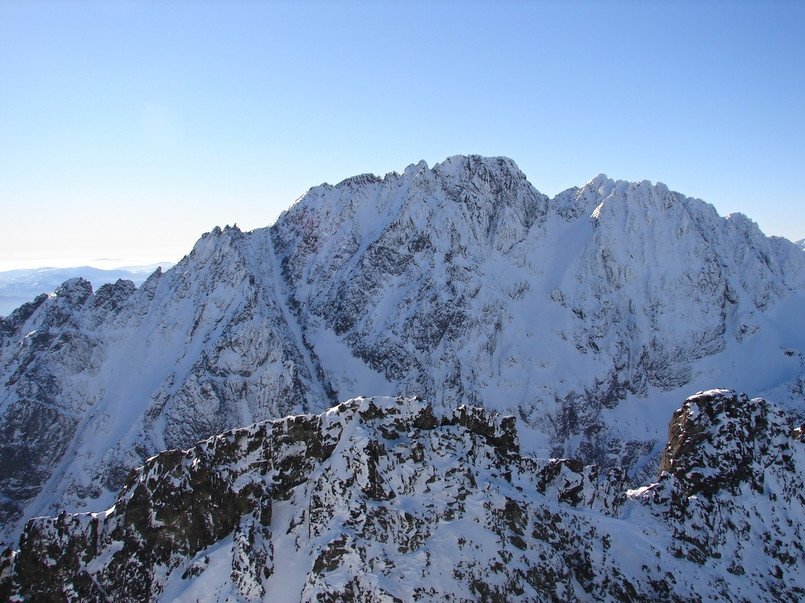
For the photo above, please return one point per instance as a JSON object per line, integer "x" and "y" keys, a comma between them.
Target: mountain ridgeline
{"x": 382, "y": 499}
{"x": 587, "y": 317}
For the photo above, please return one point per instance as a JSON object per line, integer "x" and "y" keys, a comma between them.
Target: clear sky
{"x": 127, "y": 129}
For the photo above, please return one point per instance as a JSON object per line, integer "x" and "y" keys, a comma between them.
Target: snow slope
{"x": 587, "y": 316}
{"x": 380, "y": 499}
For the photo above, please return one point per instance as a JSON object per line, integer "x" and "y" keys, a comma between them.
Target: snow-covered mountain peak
{"x": 460, "y": 283}
{"x": 644, "y": 196}
{"x": 493, "y": 176}
{"x": 601, "y": 184}
{"x": 603, "y": 191}
{"x": 744, "y": 225}
{"x": 469, "y": 167}
{"x": 359, "y": 181}
{"x": 74, "y": 291}
{"x": 413, "y": 169}
{"x": 17, "y": 287}
{"x": 217, "y": 241}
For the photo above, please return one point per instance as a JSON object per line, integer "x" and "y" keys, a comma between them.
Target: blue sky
{"x": 127, "y": 129}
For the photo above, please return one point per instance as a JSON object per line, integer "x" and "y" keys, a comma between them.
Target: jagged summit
{"x": 721, "y": 441}
{"x": 455, "y": 167}
{"x": 387, "y": 499}
{"x": 587, "y": 316}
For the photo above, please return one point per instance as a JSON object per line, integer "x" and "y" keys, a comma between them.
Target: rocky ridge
{"x": 384, "y": 499}
{"x": 586, "y": 316}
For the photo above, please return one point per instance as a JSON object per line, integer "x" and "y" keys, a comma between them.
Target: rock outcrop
{"x": 384, "y": 499}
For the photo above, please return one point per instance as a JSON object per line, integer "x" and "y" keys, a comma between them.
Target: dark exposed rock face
{"x": 43, "y": 410}
{"x": 382, "y": 499}
{"x": 732, "y": 491}
{"x": 720, "y": 440}
{"x": 177, "y": 504}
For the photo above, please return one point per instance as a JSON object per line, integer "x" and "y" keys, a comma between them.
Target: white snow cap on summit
{"x": 459, "y": 283}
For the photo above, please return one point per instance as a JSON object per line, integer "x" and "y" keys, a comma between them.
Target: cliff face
{"x": 384, "y": 499}
{"x": 586, "y": 316}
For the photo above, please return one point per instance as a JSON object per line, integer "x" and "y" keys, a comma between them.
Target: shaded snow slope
{"x": 587, "y": 316}
{"x": 382, "y": 499}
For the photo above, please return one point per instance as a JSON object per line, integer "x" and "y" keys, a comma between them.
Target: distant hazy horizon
{"x": 78, "y": 262}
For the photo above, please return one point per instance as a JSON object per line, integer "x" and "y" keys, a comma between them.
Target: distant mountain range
{"x": 585, "y": 319}
{"x": 20, "y": 286}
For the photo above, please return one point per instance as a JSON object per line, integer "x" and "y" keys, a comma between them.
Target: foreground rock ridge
{"x": 587, "y": 316}
{"x": 382, "y": 499}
